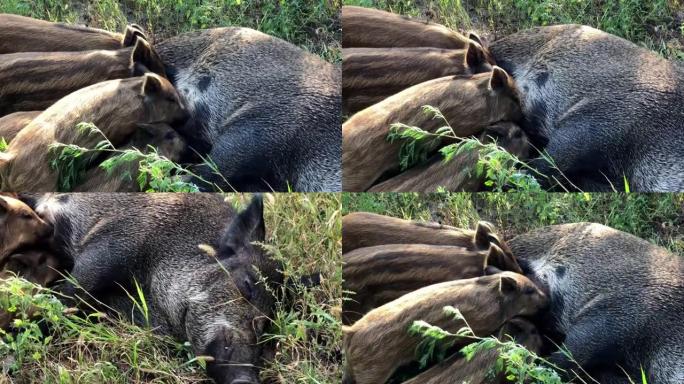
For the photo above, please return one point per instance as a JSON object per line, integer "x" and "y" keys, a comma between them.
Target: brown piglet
{"x": 367, "y": 27}
{"x": 468, "y": 105}
{"x": 370, "y": 75}
{"x": 35, "y": 265}
{"x": 364, "y": 229}
{"x": 380, "y": 342}
{"x": 11, "y": 124}
{"x": 377, "y": 275}
{"x": 115, "y": 107}
{"x": 20, "y": 226}
{"x": 32, "y": 81}
{"x": 25, "y": 34}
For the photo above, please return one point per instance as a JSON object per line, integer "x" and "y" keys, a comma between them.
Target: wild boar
{"x": 20, "y": 226}
{"x": 167, "y": 143}
{"x": 31, "y": 81}
{"x": 11, "y": 124}
{"x": 115, "y": 107}
{"x": 468, "y": 105}
{"x": 380, "y": 342}
{"x": 363, "y": 229}
{"x": 604, "y": 109}
{"x": 380, "y": 274}
{"x": 265, "y": 111}
{"x": 370, "y": 75}
{"x": 480, "y": 370}
{"x": 615, "y": 301}
{"x": 367, "y": 27}
{"x": 118, "y": 239}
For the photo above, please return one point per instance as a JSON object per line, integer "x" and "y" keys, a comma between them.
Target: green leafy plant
{"x": 156, "y": 173}
{"x": 3, "y": 144}
{"x": 499, "y": 168}
{"x": 517, "y": 362}
{"x": 47, "y": 341}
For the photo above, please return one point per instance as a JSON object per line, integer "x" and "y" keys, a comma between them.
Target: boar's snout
{"x": 245, "y": 377}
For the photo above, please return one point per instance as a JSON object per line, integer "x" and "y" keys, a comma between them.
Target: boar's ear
{"x": 499, "y": 80}
{"x": 151, "y": 84}
{"x": 475, "y": 55}
{"x": 246, "y": 227}
{"x": 484, "y": 234}
{"x": 131, "y": 34}
{"x": 474, "y": 37}
{"x": 507, "y": 284}
{"x": 253, "y": 218}
{"x": 494, "y": 256}
{"x": 145, "y": 58}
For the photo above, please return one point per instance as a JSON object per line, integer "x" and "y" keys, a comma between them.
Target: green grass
{"x": 310, "y": 24}
{"x": 657, "y": 24}
{"x": 655, "y": 217}
{"x": 303, "y": 232}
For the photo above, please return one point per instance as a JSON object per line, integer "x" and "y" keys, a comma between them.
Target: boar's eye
{"x": 26, "y": 216}
{"x": 529, "y": 290}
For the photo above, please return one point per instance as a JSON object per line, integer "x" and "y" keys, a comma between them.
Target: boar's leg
{"x": 95, "y": 271}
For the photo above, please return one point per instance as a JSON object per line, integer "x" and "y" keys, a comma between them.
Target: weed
{"x": 498, "y": 168}
{"x": 155, "y": 173}
{"x": 50, "y": 344}
{"x": 518, "y": 363}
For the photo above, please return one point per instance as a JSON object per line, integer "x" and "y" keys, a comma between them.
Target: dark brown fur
{"x": 459, "y": 173}
{"x": 468, "y": 104}
{"x": 362, "y": 229}
{"x": 37, "y": 266}
{"x": 123, "y": 178}
{"x": 370, "y": 75}
{"x": 11, "y": 124}
{"x": 25, "y": 34}
{"x": 380, "y": 274}
{"x": 20, "y": 226}
{"x": 32, "y": 81}
{"x": 367, "y": 27}
{"x": 380, "y": 342}
{"x": 116, "y": 107}
{"x": 480, "y": 370}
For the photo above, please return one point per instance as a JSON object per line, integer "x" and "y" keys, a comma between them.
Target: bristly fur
{"x": 25, "y": 34}
{"x": 367, "y": 27}
{"x": 468, "y": 105}
{"x": 379, "y": 342}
